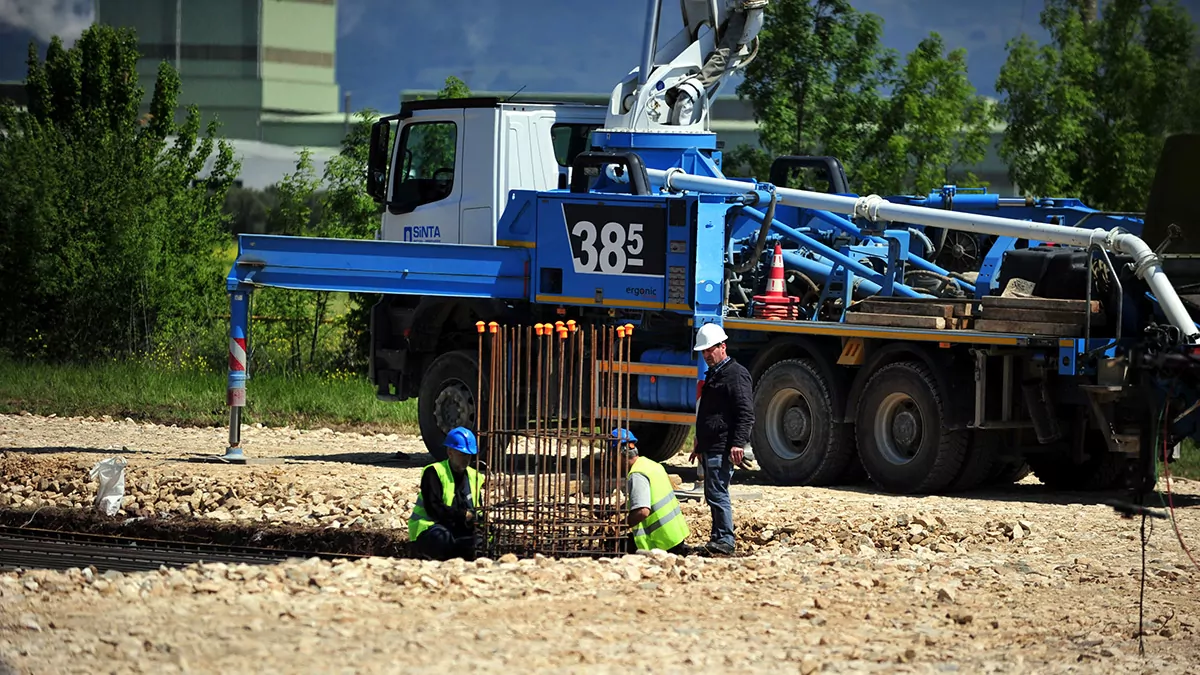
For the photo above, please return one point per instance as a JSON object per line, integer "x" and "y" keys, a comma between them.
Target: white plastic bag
{"x": 111, "y": 473}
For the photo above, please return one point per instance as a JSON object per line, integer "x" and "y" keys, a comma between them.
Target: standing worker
{"x": 442, "y": 524}
{"x": 654, "y": 512}
{"x": 724, "y": 420}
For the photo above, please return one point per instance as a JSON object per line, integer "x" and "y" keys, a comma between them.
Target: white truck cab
{"x": 454, "y": 162}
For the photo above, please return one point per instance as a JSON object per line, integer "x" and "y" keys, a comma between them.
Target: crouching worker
{"x": 654, "y": 514}
{"x": 443, "y": 522}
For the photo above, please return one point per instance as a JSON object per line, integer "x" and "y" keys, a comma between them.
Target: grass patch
{"x": 1188, "y": 464}
{"x": 196, "y": 398}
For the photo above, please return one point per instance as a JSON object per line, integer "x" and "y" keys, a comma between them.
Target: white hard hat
{"x": 710, "y": 335}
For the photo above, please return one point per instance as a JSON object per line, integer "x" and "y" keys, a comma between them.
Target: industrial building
{"x": 261, "y": 66}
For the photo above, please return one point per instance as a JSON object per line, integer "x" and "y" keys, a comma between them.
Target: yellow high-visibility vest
{"x": 419, "y": 521}
{"x": 665, "y": 527}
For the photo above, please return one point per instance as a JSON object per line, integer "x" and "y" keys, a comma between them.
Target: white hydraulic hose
{"x": 875, "y": 208}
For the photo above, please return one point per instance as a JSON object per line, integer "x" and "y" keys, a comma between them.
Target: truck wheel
{"x": 1102, "y": 471}
{"x": 447, "y": 399}
{"x": 660, "y": 442}
{"x": 980, "y": 464}
{"x": 795, "y": 438}
{"x": 902, "y": 440}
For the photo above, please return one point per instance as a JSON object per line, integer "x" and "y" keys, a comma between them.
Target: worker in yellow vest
{"x": 443, "y": 522}
{"x": 654, "y": 514}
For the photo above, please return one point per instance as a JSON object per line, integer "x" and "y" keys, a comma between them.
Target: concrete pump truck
{"x": 935, "y": 342}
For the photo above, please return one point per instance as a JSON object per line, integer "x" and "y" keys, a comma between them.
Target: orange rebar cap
{"x": 621, "y": 331}
{"x": 571, "y": 325}
{"x": 493, "y": 326}
{"x": 629, "y": 329}
{"x": 479, "y": 326}
{"x": 537, "y": 328}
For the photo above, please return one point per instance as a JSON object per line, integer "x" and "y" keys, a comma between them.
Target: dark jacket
{"x": 725, "y": 416}
{"x": 451, "y": 517}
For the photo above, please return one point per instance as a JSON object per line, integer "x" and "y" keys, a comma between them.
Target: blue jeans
{"x": 718, "y": 470}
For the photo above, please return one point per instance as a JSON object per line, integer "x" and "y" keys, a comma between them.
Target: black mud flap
{"x": 1172, "y": 199}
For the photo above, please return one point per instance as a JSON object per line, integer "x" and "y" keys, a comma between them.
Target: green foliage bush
{"x": 108, "y": 239}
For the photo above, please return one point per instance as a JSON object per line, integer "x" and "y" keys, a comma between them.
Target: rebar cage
{"x": 549, "y": 397}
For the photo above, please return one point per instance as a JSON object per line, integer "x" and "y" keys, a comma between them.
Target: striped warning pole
{"x": 235, "y": 392}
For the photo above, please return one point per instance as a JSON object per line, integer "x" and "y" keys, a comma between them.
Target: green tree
{"x": 350, "y": 212}
{"x": 108, "y": 233}
{"x": 815, "y": 84}
{"x": 247, "y": 209}
{"x": 933, "y": 122}
{"x": 293, "y": 318}
{"x": 1087, "y": 114}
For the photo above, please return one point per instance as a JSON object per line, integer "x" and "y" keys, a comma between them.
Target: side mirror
{"x": 377, "y": 160}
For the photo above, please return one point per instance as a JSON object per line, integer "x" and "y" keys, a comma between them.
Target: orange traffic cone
{"x": 776, "y": 305}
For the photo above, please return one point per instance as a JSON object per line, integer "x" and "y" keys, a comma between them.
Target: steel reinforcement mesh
{"x": 549, "y": 396}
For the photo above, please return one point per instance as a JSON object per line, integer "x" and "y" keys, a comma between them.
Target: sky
{"x": 541, "y": 45}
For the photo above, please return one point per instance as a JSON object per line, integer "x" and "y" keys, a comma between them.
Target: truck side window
{"x": 570, "y": 140}
{"x": 426, "y": 165}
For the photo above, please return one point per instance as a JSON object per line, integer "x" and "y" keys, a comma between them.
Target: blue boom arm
{"x": 367, "y": 266}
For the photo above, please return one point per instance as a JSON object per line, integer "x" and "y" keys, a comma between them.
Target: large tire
{"x": 902, "y": 439}
{"x": 660, "y": 442}
{"x": 796, "y": 440}
{"x": 983, "y": 454}
{"x": 447, "y": 399}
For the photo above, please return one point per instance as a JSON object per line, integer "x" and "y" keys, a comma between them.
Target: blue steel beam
{"x": 388, "y": 267}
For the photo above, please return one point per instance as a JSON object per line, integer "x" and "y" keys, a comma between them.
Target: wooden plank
{"x": 1028, "y": 328}
{"x": 896, "y": 320}
{"x": 960, "y": 307}
{"x": 1039, "y": 315}
{"x": 907, "y": 308}
{"x": 1054, "y": 304}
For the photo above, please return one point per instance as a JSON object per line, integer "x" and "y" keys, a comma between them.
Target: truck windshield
{"x": 426, "y": 159}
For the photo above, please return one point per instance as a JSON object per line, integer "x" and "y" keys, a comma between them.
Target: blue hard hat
{"x": 622, "y": 435}
{"x": 462, "y": 440}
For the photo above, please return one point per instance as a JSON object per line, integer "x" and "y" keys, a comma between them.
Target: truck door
{"x": 427, "y": 179}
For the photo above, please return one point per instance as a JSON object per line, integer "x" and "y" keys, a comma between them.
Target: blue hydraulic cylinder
{"x": 938, "y": 200}
{"x": 810, "y": 243}
{"x": 916, "y": 261}
{"x": 820, "y": 270}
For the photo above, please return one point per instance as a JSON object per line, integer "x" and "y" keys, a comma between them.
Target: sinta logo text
{"x": 422, "y": 233}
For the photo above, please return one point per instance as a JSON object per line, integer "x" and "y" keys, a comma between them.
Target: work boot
{"x": 717, "y": 548}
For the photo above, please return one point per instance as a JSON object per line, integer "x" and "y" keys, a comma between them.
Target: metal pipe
{"x": 650, "y": 41}
{"x": 875, "y": 208}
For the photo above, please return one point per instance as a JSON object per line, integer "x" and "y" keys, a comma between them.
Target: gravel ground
{"x": 1019, "y": 580}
